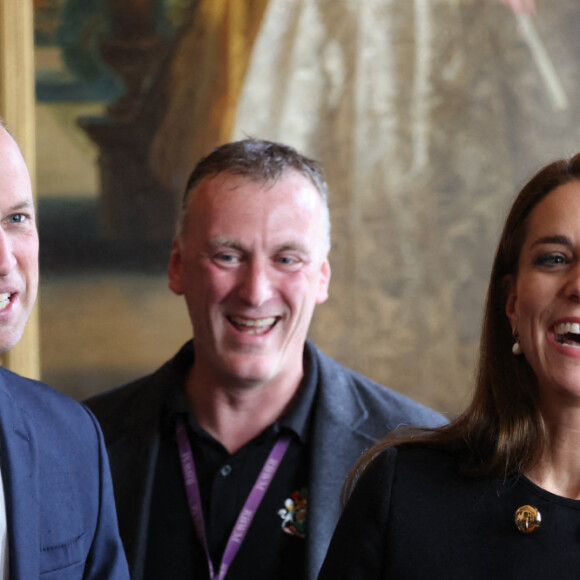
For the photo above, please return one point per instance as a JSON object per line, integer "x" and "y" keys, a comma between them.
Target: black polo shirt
{"x": 274, "y": 547}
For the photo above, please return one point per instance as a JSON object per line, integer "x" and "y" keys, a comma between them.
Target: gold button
{"x": 527, "y": 519}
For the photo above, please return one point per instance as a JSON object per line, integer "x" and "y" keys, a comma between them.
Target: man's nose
{"x": 7, "y": 259}
{"x": 256, "y": 284}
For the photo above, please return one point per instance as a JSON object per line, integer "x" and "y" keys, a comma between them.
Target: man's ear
{"x": 511, "y": 302}
{"x": 323, "y": 282}
{"x": 176, "y": 267}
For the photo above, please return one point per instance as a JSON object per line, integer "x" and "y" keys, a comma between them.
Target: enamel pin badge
{"x": 293, "y": 514}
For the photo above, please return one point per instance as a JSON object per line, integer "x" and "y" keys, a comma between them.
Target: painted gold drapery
{"x": 206, "y": 78}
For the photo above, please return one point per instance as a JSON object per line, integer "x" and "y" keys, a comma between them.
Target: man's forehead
{"x": 14, "y": 177}
{"x": 8, "y": 146}
{"x": 247, "y": 227}
{"x": 256, "y": 199}
{"x": 227, "y": 204}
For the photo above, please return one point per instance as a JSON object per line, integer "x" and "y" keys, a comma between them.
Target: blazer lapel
{"x": 336, "y": 446}
{"x": 336, "y": 449}
{"x": 19, "y": 476}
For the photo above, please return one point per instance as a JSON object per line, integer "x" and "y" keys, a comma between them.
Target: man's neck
{"x": 235, "y": 414}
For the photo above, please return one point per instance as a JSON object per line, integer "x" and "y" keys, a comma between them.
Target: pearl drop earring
{"x": 517, "y": 348}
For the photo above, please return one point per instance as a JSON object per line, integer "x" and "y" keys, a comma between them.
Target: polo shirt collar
{"x": 296, "y": 419}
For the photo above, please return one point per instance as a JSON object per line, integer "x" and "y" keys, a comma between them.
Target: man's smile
{"x": 5, "y": 300}
{"x": 253, "y": 325}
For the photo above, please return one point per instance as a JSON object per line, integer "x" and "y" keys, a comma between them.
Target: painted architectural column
{"x": 17, "y": 109}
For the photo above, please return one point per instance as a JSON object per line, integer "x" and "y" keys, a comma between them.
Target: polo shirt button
{"x": 226, "y": 470}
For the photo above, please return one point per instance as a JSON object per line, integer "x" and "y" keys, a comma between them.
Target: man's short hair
{"x": 259, "y": 160}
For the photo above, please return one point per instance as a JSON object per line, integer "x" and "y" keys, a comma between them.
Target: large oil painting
{"x": 426, "y": 114}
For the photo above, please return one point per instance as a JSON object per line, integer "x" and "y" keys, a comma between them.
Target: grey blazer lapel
{"x": 19, "y": 476}
{"x": 337, "y": 444}
{"x": 336, "y": 449}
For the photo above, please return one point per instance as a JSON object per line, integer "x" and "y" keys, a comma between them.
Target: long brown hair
{"x": 502, "y": 430}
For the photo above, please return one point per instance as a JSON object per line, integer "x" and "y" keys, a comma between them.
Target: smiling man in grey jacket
{"x": 231, "y": 457}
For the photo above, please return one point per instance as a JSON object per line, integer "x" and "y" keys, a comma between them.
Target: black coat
{"x": 413, "y": 516}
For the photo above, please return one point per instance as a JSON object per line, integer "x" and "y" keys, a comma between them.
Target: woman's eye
{"x": 551, "y": 260}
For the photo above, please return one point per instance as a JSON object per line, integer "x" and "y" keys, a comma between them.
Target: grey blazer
{"x": 351, "y": 413}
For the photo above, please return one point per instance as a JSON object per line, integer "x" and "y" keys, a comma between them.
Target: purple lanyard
{"x": 250, "y": 507}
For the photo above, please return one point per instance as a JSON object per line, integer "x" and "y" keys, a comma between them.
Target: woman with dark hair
{"x": 496, "y": 493}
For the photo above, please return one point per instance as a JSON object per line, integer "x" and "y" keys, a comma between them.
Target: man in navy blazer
{"x": 57, "y": 513}
{"x": 229, "y": 460}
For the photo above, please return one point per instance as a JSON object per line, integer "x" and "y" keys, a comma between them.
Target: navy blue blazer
{"x": 351, "y": 412}
{"x": 57, "y": 485}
